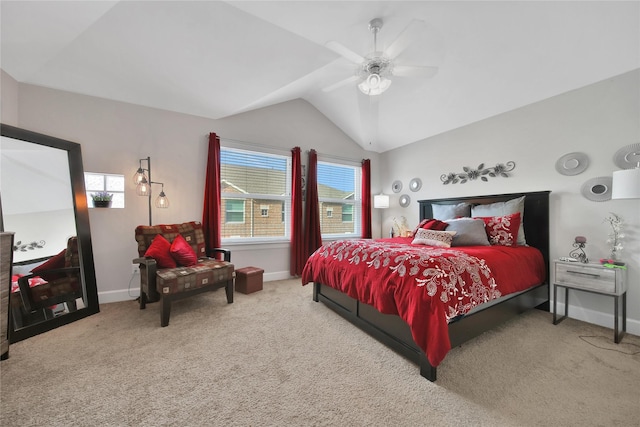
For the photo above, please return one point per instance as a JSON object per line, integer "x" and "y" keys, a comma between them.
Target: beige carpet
{"x": 276, "y": 358}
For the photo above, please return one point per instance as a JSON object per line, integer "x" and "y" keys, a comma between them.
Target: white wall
{"x": 8, "y": 99}
{"x": 596, "y": 120}
{"x": 115, "y": 135}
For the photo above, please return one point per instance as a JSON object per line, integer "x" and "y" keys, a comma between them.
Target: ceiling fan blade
{"x": 405, "y": 38}
{"x": 345, "y": 52}
{"x": 369, "y": 114}
{"x": 414, "y": 71}
{"x": 340, "y": 84}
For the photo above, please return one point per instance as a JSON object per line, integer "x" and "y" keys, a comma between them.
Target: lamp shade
{"x": 626, "y": 184}
{"x": 381, "y": 201}
{"x": 143, "y": 188}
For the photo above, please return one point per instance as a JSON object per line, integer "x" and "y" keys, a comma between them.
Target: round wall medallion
{"x": 627, "y": 157}
{"x": 597, "y": 189}
{"x": 405, "y": 200}
{"x": 415, "y": 184}
{"x": 396, "y": 186}
{"x": 572, "y": 163}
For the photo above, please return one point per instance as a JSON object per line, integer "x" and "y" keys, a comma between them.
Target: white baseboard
{"x": 598, "y": 318}
{"x": 133, "y": 293}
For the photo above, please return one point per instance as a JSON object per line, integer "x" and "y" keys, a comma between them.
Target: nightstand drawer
{"x": 585, "y": 276}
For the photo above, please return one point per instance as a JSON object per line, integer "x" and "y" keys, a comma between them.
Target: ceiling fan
{"x": 374, "y": 72}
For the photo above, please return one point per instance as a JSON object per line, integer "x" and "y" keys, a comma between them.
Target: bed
{"x": 489, "y": 290}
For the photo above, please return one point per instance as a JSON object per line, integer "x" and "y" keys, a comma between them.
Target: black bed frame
{"x": 392, "y": 331}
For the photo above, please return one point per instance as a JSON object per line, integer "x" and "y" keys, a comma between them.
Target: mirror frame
{"x": 81, "y": 211}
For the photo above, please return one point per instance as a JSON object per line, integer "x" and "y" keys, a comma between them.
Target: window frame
{"x": 356, "y": 202}
{"x": 118, "y": 194}
{"x": 283, "y": 199}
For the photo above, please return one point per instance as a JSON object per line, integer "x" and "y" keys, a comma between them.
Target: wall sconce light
{"x": 142, "y": 179}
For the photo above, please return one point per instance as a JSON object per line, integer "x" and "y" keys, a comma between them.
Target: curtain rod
{"x": 346, "y": 159}
{"x": 257, "y": 145}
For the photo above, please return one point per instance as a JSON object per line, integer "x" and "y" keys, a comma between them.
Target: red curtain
{"x": 211, "y": 217}
{"x": 312, "y": 235}
{"x": 297, "y": 238}
{"x": 366, "y": 199}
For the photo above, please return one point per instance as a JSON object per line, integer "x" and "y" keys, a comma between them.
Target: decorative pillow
{"x": 441, "y": 239}
{"x": 470, "y": 232}
{"x": 444, "y": 212}
{"x": 160, "y": 250}
{"x": 430, "y": 224}
{"x": 182, "y": 252}
{"x": 56, "y": 261}
{"x": 502, "y": 230}
{"x": 503, "y": 208}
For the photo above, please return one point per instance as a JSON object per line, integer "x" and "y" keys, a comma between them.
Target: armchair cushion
{"x": 206, "y": 272}
{"x": 160, "y": 250}
{"x": 191, "y": 231}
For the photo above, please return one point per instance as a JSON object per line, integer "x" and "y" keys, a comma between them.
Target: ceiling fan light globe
{"x": 382, "y": 84}
{"x": 373, "y": 81}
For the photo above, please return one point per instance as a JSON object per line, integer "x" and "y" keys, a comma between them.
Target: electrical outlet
{"x": 135, "y": 269}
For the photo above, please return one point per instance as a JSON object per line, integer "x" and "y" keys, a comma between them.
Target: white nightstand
{"x": 594, "y": 278}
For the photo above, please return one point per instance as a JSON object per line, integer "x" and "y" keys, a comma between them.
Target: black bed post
{"x": 316, "y": 291}
{"x": 426, "y": 370}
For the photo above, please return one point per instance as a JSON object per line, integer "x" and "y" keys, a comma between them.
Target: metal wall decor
{"x": 415, "y": 184}
{"x": 627, "y": 157}
{"x": 396, "y": 187}
{"x": 480, "y": 172}
{"x": 405, "y": 200}
{"x": 572, "y": 164}
{"x": 597, "y": 189}
{"x": 23, "y": 247}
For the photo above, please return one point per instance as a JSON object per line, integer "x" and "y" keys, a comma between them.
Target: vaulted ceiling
{"x": 216, "y": 59}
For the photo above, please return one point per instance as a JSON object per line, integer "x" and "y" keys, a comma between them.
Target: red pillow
{"x": 56, "y": 261}
{"x": 431, "y": 224}
{"x": 160, "y": 250}
{"x": 502, "y": 230}
{"x": 182, "y": 252}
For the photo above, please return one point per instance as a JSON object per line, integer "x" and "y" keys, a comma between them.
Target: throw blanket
{"x": 424, "y": 285}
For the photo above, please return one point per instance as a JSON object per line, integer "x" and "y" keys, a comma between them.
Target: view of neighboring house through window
{"x": 256, "y": 195}
{"x": 339, "y": 199}
{"x": 103, "y": 182}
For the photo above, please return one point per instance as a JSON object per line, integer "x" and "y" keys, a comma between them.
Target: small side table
{"x": 593, "y": 278}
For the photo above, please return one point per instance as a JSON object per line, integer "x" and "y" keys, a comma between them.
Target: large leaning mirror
{"x": 43, "y": 201}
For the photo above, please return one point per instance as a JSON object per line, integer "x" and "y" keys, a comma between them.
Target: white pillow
{"x": 441, "y": 239}
{"x": 501, "y": 209}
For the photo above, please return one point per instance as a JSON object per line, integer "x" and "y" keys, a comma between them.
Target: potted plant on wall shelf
{"x": 101, "y": 199}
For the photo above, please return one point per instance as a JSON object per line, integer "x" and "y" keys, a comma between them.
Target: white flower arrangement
{"x": 401, "y": 226}
{"x": 616, "y": 235}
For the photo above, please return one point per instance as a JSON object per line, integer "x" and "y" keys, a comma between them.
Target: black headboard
{"x": 536, "y": 215}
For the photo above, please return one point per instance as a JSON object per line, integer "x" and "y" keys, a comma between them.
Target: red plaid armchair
{"x": 169, "y": 274}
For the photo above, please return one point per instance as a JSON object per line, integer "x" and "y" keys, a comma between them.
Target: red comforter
{"x": 426, "y": 286}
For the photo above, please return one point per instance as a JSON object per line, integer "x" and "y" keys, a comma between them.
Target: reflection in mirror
{"x": 44, "y": 204}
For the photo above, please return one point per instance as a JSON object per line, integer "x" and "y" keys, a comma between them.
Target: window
{"x": 339, "y": 189}
{"x": 111, "y": 183}
{"x": 234, "y": 211}
{"x": 347, "y": 213}
{"x": 255, "y": 194}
